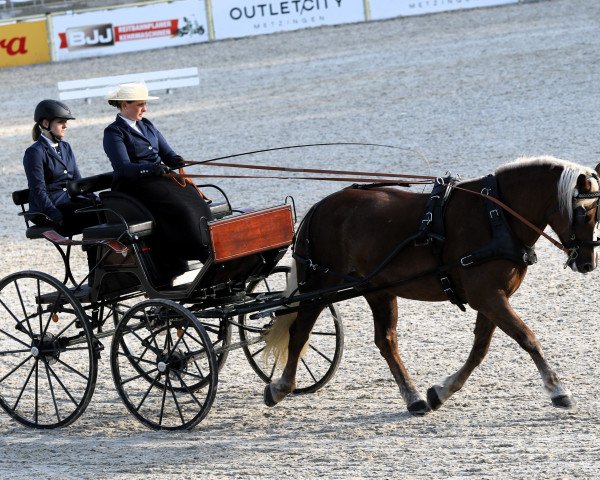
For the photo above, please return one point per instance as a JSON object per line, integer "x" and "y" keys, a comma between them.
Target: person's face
{"x": 58, "y": 127}
{"x": 134, "y": 110}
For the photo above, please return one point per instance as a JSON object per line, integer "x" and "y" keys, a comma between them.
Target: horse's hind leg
{"x": 299, "y": 332}
{"x": 438, "y": 394}
{"x": 385, "y": 316}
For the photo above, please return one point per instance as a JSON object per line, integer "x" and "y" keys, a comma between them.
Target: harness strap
{"x": 503, "y": 243}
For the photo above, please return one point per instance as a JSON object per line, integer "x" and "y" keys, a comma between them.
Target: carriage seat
{"x": 124, "y": 214}
{"x": 21, "y": 199}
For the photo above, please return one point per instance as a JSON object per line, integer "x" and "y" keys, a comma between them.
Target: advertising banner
{"x": 23, "y": 43}
{"x": 129, "y": 29}
{"x": 241, "y": 18}
{"x": 396, "y": 8}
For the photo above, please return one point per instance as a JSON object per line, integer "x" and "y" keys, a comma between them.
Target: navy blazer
{"x": 48, "y": 175}
{"x": 135, "y": 155}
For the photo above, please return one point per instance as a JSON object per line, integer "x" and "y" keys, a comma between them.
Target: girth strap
{"x": 432, "y": 232}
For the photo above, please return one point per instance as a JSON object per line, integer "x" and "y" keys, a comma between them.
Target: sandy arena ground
{"x": 470, "y": 91}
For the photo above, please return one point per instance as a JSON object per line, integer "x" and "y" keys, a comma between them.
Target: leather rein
{"x": 395, "y": 179}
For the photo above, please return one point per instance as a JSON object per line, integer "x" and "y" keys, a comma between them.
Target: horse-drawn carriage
{"x": 469, "y": 242}
{"x": 168, "y": 341}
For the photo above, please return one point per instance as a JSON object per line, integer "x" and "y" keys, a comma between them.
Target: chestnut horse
{"x": 350, "y": 232}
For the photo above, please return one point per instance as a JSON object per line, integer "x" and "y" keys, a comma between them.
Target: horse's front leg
{"x": 438, "y": 394}
{"x": 502, "y": 314}
{"x": 385, "y": 316}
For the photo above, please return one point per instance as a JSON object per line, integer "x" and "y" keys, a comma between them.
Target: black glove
{"x": 159, "y": 169}
{"x": 178, "y": 161}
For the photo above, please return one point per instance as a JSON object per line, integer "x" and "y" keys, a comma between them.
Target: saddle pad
{"x": 251, "y": 233}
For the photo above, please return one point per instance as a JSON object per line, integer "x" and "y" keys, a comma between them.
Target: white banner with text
{"x": 107, "y": 32}
{"x": 241, "y": 18}
{"x": 381, "y": 9}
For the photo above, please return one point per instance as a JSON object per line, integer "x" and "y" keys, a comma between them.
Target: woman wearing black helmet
{"x": 49, "y": 165}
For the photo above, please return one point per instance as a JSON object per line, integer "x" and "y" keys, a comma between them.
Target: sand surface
{"x": 463, "y": 93}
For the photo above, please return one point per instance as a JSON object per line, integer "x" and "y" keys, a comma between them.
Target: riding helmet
{"x": 51, "y": 109}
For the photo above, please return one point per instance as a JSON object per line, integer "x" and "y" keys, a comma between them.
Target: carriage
{"x": 169, "y": 341}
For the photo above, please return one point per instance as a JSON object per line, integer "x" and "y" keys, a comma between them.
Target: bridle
{"x": 580, "y": 218}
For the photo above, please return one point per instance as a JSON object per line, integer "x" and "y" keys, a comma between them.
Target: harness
{"x": 431, "y": 232}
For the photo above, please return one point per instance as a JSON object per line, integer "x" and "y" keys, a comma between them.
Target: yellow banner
{"x": 23, "y": 43}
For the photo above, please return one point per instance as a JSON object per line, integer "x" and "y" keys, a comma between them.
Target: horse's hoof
{"x": 419, "y": 407}
{"x": 432, "y": 399}
{"x": 268, "y": 397}
{"x": 562, "y": 401}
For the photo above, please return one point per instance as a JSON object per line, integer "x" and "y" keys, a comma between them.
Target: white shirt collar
{"x": 50, "y": 142}
{"x": 131, "y": 123}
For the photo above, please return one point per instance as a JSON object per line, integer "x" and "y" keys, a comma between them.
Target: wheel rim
{"x": 47, "y": 352}
{"x": 164, "y": 366}
{"x": 326, "y": 343}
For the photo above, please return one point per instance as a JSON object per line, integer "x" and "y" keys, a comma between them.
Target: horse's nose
{"x": 586, "y": 267}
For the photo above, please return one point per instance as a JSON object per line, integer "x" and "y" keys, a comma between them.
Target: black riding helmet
{"x": 51, "y": 109}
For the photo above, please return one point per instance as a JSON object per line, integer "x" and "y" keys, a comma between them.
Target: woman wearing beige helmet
{"x": 140, "y": 156}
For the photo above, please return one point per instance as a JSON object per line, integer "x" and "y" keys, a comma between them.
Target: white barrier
{"x": 99, "y": 87}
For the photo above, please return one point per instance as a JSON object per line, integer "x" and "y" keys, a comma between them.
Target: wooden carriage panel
{"x": 251, "y": 233}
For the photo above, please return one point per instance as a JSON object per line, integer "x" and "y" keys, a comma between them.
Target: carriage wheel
{"x": 48, "y": 354}
{"x": 324, "y": 354}
{"x": 163, "y": 365}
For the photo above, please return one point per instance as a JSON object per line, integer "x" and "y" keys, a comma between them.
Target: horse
{"x": 350, "y": 234}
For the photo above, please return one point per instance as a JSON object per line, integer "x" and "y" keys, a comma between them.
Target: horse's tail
{"x": 278, "y": 337}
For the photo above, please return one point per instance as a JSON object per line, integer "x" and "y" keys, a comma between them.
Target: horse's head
{"x": 576, "y": 220}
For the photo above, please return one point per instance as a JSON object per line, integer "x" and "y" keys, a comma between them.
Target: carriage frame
{"x": 169, "y": 341}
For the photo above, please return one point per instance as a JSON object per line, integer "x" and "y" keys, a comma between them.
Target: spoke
{"x": 15, "y": 369}
{"x": 147, "y": 392}
{"x": 66, "y": 328}
{"x": 19, "y": 322}
{"x": 73, "y": 369}
{"x": 273, "y": 370}
{"x": 260, "y": 350}
{"x": 52, "y": 391}
{"x": 123, "y": 382}
{"x": 37, "y": 403}
{"x": 24, "y": 386}
{"x": 23, "y": 307}
{"x": 162, "y": 406}
{"x": 308, "y": 370}
{"x": 14, "y": 338}
{"x": 39, "y": 309}
{"x": 320, "y": 353}
{"x": 62, "y": 385}
{"x": 189, "y": 391}
{"x": 175, "y": 399}
{"x": 134, "y": 333}
{"x": 326, "y": 334}
{"x": 51, "y": 311}
{"x": 194, "y": 359}
{"x": 148, "y": 327}
{"x": 9, "y": 352}
{"x": 133, "y": 357}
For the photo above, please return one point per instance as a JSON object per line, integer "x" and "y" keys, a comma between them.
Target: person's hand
{"x": 159, "y": 169}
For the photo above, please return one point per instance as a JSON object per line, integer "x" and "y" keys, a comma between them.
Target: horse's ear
{"x": 583, "y": 183}
{"x": 597, "y": 169}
